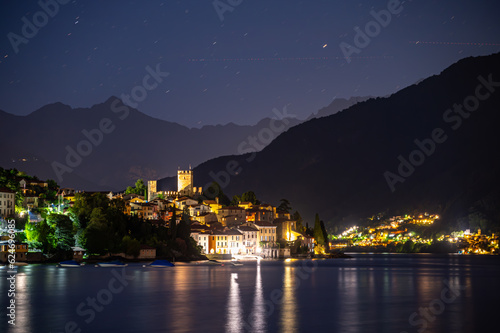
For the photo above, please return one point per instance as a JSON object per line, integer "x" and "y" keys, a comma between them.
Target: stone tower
{"x": 151, "y": 189}
{"x": 185, "y": 182}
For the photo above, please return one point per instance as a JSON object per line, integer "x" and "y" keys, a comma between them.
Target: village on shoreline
{"x": 145, "y": 223}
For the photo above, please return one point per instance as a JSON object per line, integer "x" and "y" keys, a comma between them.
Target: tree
{"x": 173, "y": 223}
{"x": 63, "y": 231}
{"x": 215, "y": 191}
{"x": 408, "y": 247}
{"x": 83, "y": 206}
{"x": 131, "y": 246}
{"x": 130, "y": 190}
{"x": 319, "y": 236}
{"x": 249, "y": 197}
{"x": 118, "y": 204}
{"x": 96, "y": 236}
{"x": 183, "y": 230}
{"x": 309, "y": 231}
{"x": 139, "y": 189}
{"x": 325, "y": 235}
{"x": 32, "y": 233}
{"x": 236, "y": 200}
{"x": 318, "y": 232}
{"x": 40, "y": 236}
{"x": 299, "y": 227}
{"x": 285, "y": 206}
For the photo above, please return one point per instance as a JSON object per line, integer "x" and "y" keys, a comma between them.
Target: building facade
{"x": 185, "y": 182}
{"x": 7, "y": 202}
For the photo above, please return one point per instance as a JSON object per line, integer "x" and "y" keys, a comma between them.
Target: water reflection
{"x": 349, "y": 298}
{"x": 234, "y": 307}
{"x": 181, "y": 298}
{"x": 23, "y": 305}
{"x": 257, "y": 318}
{"x": 289, "y": 320}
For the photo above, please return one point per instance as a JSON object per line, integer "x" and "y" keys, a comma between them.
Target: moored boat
{"x": 69, "y": 264}
{"x": 20, "y": 263}
{"x": 161, "y": 263}
{"x": 115, "y": 263}
{"x": 236, "y": 263}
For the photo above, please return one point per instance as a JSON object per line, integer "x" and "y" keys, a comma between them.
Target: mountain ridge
{"x": 340, "y": 160}
{"x": 140, "y": 146}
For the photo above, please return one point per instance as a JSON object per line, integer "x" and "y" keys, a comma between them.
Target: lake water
{"x": 368, "y": 293}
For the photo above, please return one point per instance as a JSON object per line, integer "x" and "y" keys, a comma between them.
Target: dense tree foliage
{"x": 285, "y": 206}
{"x": 139, "y": 189}
{"x": 101, "y": 226}
{"x": 214, "y": 191}
{"x": 10, "y": 179}
{"x": 250, "y": 197}
{"x": 320, "y": 235}
{"x": 63, "y": 231}
{"x": 318, "y": 232}
{"x": 299, "y": 225}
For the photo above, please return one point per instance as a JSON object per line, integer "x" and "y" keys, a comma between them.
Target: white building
{"x": 235, "y": 241}
{"x": 250, "y": 239}
{"x": 266, "y": 238}
{"x": 7, "y": 202}
{"x": 202, "y": 239}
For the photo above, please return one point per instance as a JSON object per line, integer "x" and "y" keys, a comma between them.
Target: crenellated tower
{"x": 185, "y": 182}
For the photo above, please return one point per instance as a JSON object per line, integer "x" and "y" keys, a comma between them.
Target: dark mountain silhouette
{"x": 138, "y": 146}
{"x": 335, "y": 165}
{"x": 338, "y": 104}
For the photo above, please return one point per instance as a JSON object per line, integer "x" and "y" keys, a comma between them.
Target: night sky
{"x": 263, "y": 54}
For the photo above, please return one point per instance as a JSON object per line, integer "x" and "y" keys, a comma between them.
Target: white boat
{"x": 247, "y": 257}
{"x": 69, "y": 264}
{"x": 116, "y": 263}
{"x": 214, "y": 263}
{"x": 236, "y": 263}
{"x": 20, "y": 264}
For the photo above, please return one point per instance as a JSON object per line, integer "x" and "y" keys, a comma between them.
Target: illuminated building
{"x": 20, "y": 248}
{"x": 185, "y": 182}
{"x": 7, "y": 202}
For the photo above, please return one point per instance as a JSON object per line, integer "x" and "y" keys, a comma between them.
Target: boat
{"x": 247, "y": 257}
{"x": 20, "y": 263}
{"x": 236, "y": 263}
{"x": 69, "y": 264}
{"x": 161, "y": 263}
{"x": 212, "y": 262}
{"x": 115, "y": 263}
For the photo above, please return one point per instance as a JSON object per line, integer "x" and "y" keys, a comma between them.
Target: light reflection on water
{"x": 364, "y": 294}
{"x": 257, "y": 317}
{"x": 182, "y": 298}
{"x": 23, "y": 303}
{"x": 234, "y": 308}
{"x": 289, "y": 315}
